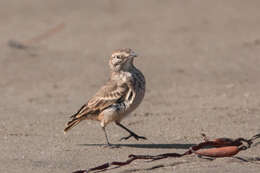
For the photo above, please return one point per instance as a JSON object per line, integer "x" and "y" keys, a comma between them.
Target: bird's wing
{"x": 109, "y": 94}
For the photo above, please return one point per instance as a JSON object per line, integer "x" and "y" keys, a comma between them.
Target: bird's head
{"x": 122, "y": 59}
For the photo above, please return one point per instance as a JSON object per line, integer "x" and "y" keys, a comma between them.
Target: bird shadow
{"x": 148, "y": 146}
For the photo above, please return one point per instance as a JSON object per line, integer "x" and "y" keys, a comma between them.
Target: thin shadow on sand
{"x": 255, "y": 160}
{"x": 154, "y": 167}
{"x": 151, "y": 146}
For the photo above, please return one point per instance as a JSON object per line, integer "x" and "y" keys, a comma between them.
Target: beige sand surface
{"x": 200, "y": 58}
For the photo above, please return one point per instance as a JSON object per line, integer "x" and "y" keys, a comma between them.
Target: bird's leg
{"x": 132, "y": 134}
{"x": 108, "y": 144}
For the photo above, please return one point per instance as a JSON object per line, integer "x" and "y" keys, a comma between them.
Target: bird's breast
{"x": 139, "y": 89}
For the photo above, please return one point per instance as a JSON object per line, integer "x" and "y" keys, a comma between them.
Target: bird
{"x": 121, "y": 95}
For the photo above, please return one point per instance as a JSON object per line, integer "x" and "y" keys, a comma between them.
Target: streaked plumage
{"x": 118, "y": 97}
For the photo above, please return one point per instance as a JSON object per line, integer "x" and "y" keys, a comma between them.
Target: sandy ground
{"x": 200, "y": 59}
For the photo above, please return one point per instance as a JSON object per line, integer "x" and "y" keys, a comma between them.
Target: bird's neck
{"x": 126, "y": 69}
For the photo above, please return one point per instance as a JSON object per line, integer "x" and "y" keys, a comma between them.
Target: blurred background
{"x": 200, "y": 59}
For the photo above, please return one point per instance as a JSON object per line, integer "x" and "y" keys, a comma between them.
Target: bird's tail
{"x": 74, "y": 122}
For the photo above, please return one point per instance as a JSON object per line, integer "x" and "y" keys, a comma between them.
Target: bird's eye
{"x": 118, "y": 57}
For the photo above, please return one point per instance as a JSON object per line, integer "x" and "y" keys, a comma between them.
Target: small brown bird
{"x": 118, "y": 97}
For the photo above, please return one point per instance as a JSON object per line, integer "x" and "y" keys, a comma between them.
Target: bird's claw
{"x": 133, "y": 135}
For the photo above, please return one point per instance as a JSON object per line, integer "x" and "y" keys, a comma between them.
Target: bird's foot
{"x": 137, "y": 137}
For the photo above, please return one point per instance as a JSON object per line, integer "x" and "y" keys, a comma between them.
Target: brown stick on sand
{"x": 26, "y": 43}
{"x": 220, "y": 147}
